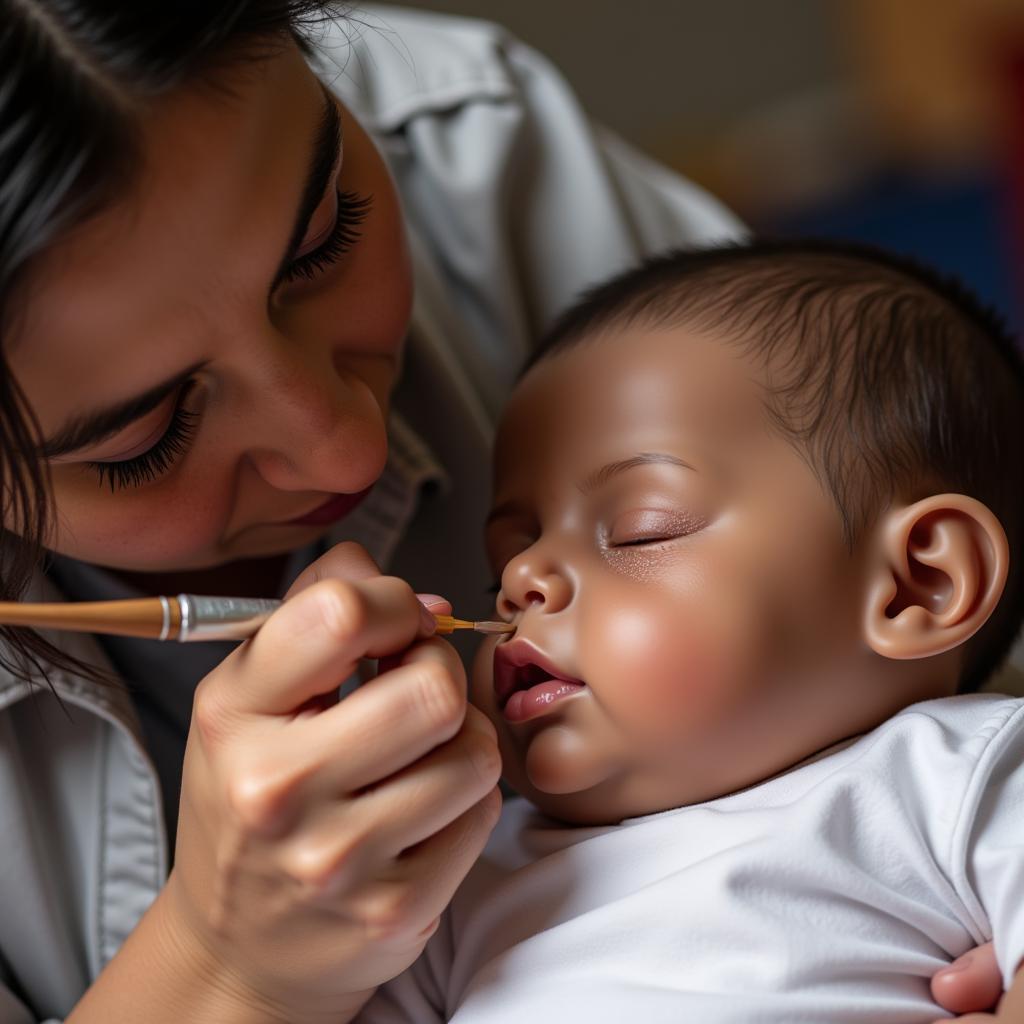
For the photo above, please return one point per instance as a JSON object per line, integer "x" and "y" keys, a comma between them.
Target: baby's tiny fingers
{"x": 970, "y": 984}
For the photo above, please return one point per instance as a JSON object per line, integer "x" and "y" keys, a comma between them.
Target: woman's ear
{"x": 937, "y": 574}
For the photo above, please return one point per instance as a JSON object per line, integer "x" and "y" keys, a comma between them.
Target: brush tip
{"x": 494, "y": 628}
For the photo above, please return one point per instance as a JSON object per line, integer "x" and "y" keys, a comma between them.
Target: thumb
{"x": 970, "y": 984}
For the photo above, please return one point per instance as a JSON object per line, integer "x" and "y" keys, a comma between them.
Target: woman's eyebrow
{"x": 323, "y": 157}
{"x": 95, "y": 426}
{"x": 86, "y": 430}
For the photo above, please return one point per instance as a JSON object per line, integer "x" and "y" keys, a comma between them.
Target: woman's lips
{"x": 526, "y": 682}
{"x": 331, "y": 510}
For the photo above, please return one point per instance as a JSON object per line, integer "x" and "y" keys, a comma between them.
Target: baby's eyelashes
{"x": 638, "y": 541}
{"x": 651, "y": 526}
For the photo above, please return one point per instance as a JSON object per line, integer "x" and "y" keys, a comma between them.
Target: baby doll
{"x": 753, "y": 518}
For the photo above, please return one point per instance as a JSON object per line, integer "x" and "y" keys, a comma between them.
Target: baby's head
{"x": 748, "y": 503}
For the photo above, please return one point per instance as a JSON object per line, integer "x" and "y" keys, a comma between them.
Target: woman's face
{"x": 210, "y": 357}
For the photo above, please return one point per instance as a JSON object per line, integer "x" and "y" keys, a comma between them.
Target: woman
{"x": 217, "y": 366}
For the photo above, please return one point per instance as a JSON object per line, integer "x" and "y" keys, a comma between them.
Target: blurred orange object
{"x": 927, "y": 70}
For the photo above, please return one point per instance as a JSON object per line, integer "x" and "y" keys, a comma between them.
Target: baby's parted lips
{"x": 518, "y": 665}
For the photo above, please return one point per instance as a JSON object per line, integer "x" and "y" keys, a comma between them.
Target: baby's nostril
{"x": 534, "y": 597}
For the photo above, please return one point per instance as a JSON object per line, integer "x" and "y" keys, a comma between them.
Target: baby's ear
{"x": 937, "y": 572}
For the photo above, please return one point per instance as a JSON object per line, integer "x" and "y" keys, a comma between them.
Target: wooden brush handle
{"x": 150, "y": 617}
{"x": 186, "y": 617}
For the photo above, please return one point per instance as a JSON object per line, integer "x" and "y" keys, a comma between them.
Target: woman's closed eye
{"x": 352, "y": 210}
{"x": 158, "y": 458}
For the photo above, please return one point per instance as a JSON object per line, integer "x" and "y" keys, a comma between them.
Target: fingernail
{"x": 428, "y": 622}
{"x": 430, "y": 600}
{"x": 956, "y": 966}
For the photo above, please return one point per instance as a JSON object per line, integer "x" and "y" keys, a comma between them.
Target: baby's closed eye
{"x": 648, "y": 526}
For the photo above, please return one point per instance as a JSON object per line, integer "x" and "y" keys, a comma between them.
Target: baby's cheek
{"x": 664, "y": 673}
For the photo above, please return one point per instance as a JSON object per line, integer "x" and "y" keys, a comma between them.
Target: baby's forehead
{"x": 609, "y": 360}
{"x": 628, "y": 387}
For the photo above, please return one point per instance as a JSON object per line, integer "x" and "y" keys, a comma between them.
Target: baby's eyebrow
{"x": 601, "y": 476}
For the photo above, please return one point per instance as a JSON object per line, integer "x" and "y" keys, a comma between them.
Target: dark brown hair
{"x": 893, "y": 379}
{"x": 76, "y": 79}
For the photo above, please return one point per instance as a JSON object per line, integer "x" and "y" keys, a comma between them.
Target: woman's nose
{"x": 317, "y": 429}
{"x": 534, "y": 579}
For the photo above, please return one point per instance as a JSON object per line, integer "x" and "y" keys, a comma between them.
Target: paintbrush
{"x": 185, "y": 618}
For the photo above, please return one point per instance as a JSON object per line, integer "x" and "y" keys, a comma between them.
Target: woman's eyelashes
{"x": 156, "y": 461}
{"x": 352, "y": 211}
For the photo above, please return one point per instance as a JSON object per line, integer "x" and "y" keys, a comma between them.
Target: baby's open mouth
{"x": 526, "y": 683}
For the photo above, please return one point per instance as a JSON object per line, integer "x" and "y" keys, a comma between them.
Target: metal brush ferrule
{"x": 222, "y": 618}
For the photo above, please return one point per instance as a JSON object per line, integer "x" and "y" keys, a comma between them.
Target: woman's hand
{"x": 971, "y": 984}
{"x": 318, "y": 841}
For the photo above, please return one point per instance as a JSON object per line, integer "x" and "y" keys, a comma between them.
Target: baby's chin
{"x": 568, "y": 779}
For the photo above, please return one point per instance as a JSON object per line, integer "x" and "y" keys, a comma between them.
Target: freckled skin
{"x": 713, "y": 612}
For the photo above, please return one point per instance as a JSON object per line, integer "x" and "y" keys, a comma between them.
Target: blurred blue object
{"x": 956, "y": 226}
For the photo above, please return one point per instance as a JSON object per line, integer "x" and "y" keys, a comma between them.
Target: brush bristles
{"x": 448, "y": 624}
{"x": 494, "y": 628}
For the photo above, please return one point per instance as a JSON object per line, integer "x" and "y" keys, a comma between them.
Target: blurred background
{"x": 899, "y": 122}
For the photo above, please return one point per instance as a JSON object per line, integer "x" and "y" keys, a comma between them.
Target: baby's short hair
{"x": 892, "y": 379}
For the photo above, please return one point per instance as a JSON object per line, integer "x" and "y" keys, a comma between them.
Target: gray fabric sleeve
{"x": 522, "y": 203}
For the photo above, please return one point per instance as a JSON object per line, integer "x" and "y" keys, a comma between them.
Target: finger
{"x": 427, "y": 796}
{"x": 350, "y": 561}
{"x": 345, "y": 561}
{"x": 388, "y": 723}
{"x": 435, "y": 605}
{"x": 971, "y": 983}
{"x": 312, "y": 643}
{"x": 423, "y": 880}
{"x": 347, "y": 838}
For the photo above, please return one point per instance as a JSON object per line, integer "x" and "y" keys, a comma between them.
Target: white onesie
{"x": 830, "y": 893}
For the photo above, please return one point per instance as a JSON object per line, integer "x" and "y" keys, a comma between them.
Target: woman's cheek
{"x": 152, "y": 528}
